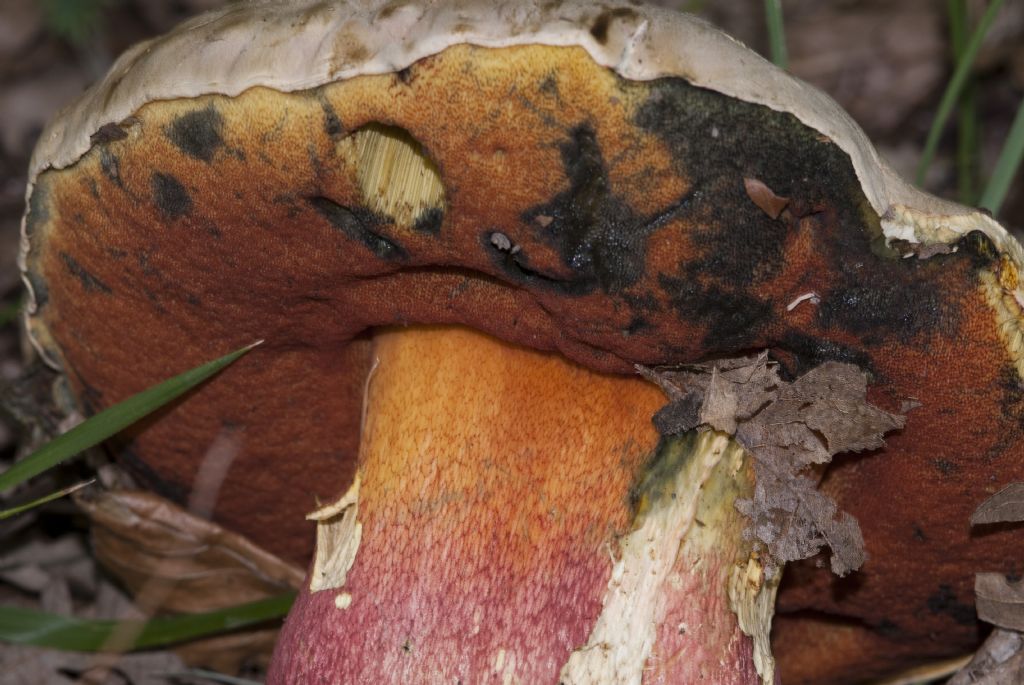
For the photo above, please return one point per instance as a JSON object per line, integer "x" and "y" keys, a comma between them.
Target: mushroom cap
{"x": 596, "y": 165}
{"x": 306, "y": 44}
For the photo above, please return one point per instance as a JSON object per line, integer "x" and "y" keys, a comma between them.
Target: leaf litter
{"x": 999, "y": 661}
{"x": 999, "y": 601}
{"x": 1006, "y": 506}
{"x": 789, "y": 429}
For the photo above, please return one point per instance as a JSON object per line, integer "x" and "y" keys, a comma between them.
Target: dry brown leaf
{"x": 34, "y": 564}
{"x": 176, "y": 562}
{"x": 720, "y": 404}
{"x": 38, "y": 666}
{"x": 786, "y": 427}
{"x": 224, "y": 653}
{"x": 1006, "y": 506}
{"x": 680, "y": 416}
{"x": 999, "y": 601}
{"x": 820, "y": 414}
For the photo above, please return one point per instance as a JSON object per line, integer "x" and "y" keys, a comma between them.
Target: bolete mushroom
{"x": 589, "y": 188}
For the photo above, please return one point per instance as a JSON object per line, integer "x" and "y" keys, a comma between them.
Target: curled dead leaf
{"x": 174, "y": 561}
{"x": 999, "y": 661}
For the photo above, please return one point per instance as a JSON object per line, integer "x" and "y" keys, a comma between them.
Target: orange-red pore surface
{"x": 583, "y": 213}
{"x": 493, "y": 494}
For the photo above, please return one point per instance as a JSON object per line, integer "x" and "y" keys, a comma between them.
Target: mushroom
{"x": 587, "y": 188}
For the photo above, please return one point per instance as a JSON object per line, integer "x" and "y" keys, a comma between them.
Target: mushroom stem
{"x": 516, "y": 516}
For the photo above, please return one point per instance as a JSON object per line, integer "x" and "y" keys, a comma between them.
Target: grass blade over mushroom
{"x": 112, "y": 420}
{"x": 41, "y": 629}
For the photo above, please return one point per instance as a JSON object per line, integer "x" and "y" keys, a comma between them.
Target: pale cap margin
{"x": 300, "y": 45}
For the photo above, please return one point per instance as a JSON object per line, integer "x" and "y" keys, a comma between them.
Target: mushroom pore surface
{"x": 578, "y": 212}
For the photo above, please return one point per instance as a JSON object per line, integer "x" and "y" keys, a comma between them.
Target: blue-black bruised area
{"x": 359, "y": 224}
{"x": 738, "y": 250}
{"x": 600, "y": 238}
{"x": 199, "y": 134}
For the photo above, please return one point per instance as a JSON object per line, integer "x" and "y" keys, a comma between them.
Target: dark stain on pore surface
{"x": 516, "y": 265}
{"x": 359, "y": 224}
{"x": 549, "y": 86}
{"x": 730, "y": 318}
{"x": 88, "y": 281}
{"x": 736, "y": 251}
{"x": 945, "y": 601}
{"x": 1011, "y": 403}
{"x": 110, "y": 165}
{"x": 332, "y": 122}
{"x": 596, "y": 233}
{"x": 715, "y": 142}
{"x": 198, "y": 134}
{"x": 888, "y": 628}
{"x": 170, "y": 196}
{"x": 811, "y": 351}
{"x": 906, "y": 299}
{"x": 874, "y": 310}
{"x": 429, "y": 221}
{"x": 637, "y": 325}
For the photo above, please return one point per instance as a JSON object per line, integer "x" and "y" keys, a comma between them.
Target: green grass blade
{"x": 41, "y": 629}
{"x": 22, "y": 508}
{"x": 1007, "y": 164}
{"x": 967, "y": 110}
{"x": 776, "y": 33}
{"x": 111, "y": 421}
{"x": 955, "y": 87}
{"x": 967, "y": 146}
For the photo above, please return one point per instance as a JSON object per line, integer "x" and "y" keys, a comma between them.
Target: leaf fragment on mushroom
{"x": 826, "y": 402}
{"x": 999, "y": 661}
{"x": 765, "y": 198}
{"x": 999, "y": 601}
{"x": 1006, "y": 506}
{"x": 787, "y": 427}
